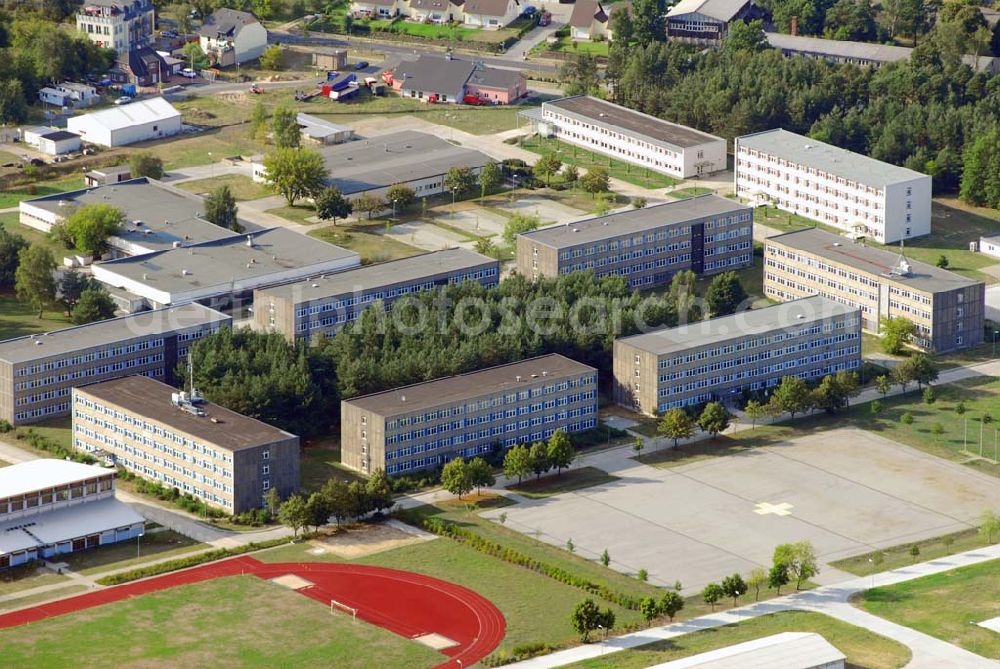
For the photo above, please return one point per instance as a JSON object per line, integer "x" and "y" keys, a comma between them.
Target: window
{"x": 266, "y": 469}
{"x": 266, "y": 455}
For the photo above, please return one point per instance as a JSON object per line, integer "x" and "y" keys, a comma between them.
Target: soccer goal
{"x": 340, "y": 606}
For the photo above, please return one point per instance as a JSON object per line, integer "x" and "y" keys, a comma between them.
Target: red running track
{"x": 402, "y": 602}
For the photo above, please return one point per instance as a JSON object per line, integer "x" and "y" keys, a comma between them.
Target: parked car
{"x": 432, "y": 98}
{"x": 530, "y": 10}
{"x": 361, "y": 64}
{"x": 257, "y": 90}
{"x": 170, "y": 34}
{"x": 123, "y": 100}
{"x": 545, "y": 19}
{"x": 474, "y": 100}
{"x": 189, "y": 73}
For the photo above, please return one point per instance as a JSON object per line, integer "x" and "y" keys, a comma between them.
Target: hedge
{"x": 189, "y": 561}
{"x": 495, "y": 549}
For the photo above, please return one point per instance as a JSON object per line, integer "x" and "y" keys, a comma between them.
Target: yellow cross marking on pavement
{"x": 765, "y": 508}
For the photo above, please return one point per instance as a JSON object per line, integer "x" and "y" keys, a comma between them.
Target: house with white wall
{"x": 230, "y": 37}
{"x": 490, "y": 14}
{"x": 588, "y": 21}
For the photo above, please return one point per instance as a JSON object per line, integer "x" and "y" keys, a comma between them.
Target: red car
{"x": 474, "y": 100}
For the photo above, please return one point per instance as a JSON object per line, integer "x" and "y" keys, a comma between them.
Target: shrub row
{"x": 189, "y": 561}
{"x": 185, "y": 501}
{"x": 495, "y": 549}
{"x": 519, "y": 653}
{"x": 43, "y": 443}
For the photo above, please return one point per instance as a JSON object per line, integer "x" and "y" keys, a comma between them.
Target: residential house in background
{"x": 720, "y": 358}
{"x": 122, "y": 25}
{"x": 69, "y": 94}
{"x": 231, "y": 37}
{"x": 631, "y": 136}
{"x": 182, "y": 441}
{"x": 434, "y": 11}
{"x": 850, "y": 191}
{"x": 141, "y": 66}
{"x": 38, "y": 372}
{"x": 376, "y": 9}
{"x": 53, "y": 507}
{"x": 490, "y": 14}
{"x": 705, "y": 22}
{"x": 424, "y": 425}
{"x": 449, "y": 79}
{"x": 588, "y": 21}
{"x": 947, "y": 308}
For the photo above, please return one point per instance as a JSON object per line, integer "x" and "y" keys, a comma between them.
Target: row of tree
{"x": 337, "y": 499}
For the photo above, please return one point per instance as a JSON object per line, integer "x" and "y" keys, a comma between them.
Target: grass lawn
{"x": 242, "y": 187}
{"x": 372, "y": 247}
{"x": 978, "y": 395}
{"x": 18, "y": 319}
{"x": 569, "y": 480}
{"x": 154, "y": 545}
{"x": 11, "y": 223}
{"x": 899, "y": 556}
{"x": 864, "y": 649}
{"x": 583, "y": 158}
{"x": 17, "y": 579}
{"x": 319, "y": 462}
{"x": 569, "y": 45}
{"x": 945, "y": 605}
{"x": 11, "y": 198}
{"x": 59, "y": 430}
{"x": 218, "y": 623}
{"x": 690, "y": 191}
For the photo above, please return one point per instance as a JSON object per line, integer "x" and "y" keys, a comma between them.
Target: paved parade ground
{"x": 847, "y": 491}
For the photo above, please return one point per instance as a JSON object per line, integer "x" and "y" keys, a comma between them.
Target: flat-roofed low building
{"x": 38, "y": 372}
{"x": 849, "y": 191}
{"x": 631, "y": 136}
{"x": 223, "y": 272}
{"x": 422, "y": 426}
{"x": 706, "y": 234}
{"x": 322, "y": 305}
{"x": 720, "y": 358}
{"x": 181, "y": 441}
{"x": 157, "y": 215}
{"x": 322, "y": 131}
{"x": 415, "y": 159}
{"x": 52, "y": 507}
{"x": 947, "y": 309}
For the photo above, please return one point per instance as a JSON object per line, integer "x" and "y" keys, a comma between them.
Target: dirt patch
{"x": 371, "y": 539}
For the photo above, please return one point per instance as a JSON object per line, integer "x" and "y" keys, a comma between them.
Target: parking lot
{"x": 846, "y": 491}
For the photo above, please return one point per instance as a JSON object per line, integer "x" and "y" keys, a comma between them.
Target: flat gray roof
{"x": 610, "y": 115}
{"x": 380, "y": 274}
{"x": 831, "y": 159}
{"x": 398, "y": 157}
{"x": 33, "y": 475}
{"x": 106, "y": 333}
{"x": 871, "y": 260}
{"x": 68, "y": 522}
{"x": 151, "y": 399}
{"x": 157, "y": 214}
{"x": 794, "y": 313}
{"x": 451, "y": 389}
{"x": 881, "y": 53}
{"x": 274, "y": 250}
{"x": 635, "y": 220}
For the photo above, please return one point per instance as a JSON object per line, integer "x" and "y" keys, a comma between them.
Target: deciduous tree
{"x": 896, "y": 334}
{"x": 734, "y": 586}
{"x": 675, "y": 424}
{"x": 481, "y": 474}
{"x": 671, "y": 603}
{"x": 714, "y": 418}
{"x": 792, "y": 396}
{"x": 11, "y": 245}
{"x": 220, "y": 209}
{"x": 490, "y": 177}
{"x": 456, "y": 477}
{"x": 90, "y": 226}
{"x": 285, "y": 130}
{"x": 294, "y": 513}
{"x": 539, "y": 456}
{"x": 145, "y": 164}
{"x": 95, "y": 305}
{"x": 725, "y": 294}
{"x": 402, "y": 195}
{"x": 368, "y": 203}
{"x": 33, "y": 279}
{"x": 295, "y": 173}
{"x": 459, "y": 180}
{"x": 712, "y": 593}
{"x": 517, "y": 462}
{"x": 596, "y": 180}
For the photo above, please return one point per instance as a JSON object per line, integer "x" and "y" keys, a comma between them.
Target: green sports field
{"x": 240, "y": 621}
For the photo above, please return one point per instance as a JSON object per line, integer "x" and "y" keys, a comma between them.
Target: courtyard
{"x": 847, "y": 491}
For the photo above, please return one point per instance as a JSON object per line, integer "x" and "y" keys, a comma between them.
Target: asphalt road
{"x": 407, "y": 51}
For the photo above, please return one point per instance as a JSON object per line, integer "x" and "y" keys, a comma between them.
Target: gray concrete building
{"x": 322, "y": 305}
{"x": 947, "y": 309}
{"x": 222, "y": 273}
{"x": 157, "y": 215}
{"x": 181, "y": 441}
{"x": 416, "y": 159}
{"x": 38, "y": 372}
{"x": 422, "y": 426}
{"x": 717, "y": 359}
{"x": 707, "y": 234}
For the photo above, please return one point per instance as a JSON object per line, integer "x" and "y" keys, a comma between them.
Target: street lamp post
{"x": 394, "y": 201}
{"x": 995, "y": 333}
{"x": 454, "y": 192}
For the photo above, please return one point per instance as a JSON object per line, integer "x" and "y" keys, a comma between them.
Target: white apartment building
{"x": 122, "y": 25}
{"x": 631, "y": 136}
{"x": 846, "y": 190}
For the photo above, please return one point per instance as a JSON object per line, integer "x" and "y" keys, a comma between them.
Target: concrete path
{"x": 928, "y": 652}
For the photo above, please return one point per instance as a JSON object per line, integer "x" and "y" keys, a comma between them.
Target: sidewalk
{"x": 928, "y": 652}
